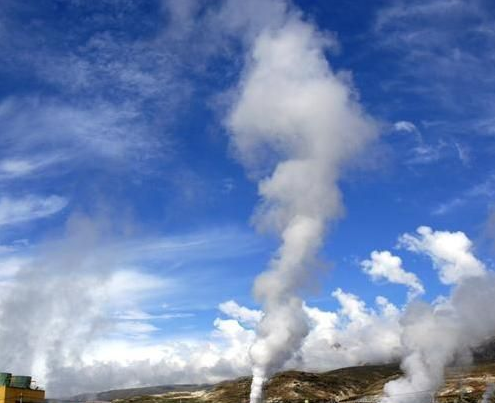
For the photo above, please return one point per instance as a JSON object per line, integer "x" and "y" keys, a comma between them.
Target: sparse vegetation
{"x": 339, "y": 385}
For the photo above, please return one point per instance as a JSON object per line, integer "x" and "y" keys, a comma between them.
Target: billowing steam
{"x": 41, "y": 301}
{"x": 434, "y": 336}
{"x": 300, "y": 122}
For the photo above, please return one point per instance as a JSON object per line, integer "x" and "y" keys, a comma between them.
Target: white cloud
{"x": 405, "y": 126}
{"x": 101, "y": 307}
{"x": 484, "y": 191}
{"x": 451, "y": 253}
{"x": 10, "y": 266}
{"x": 134, "y": 329}
{"x": 336, "y": 339}
{"x": 138, "y": 314}
{"x": 324, "y": 321}
{"x": 384, "y": 265}
{"x": 132, "y": 285}
{"x": 388, "y": 309}
{"x": 352, "y": 307}
{"x": 425, "y": 154}
{"x": 221, "y": 243}
{"x": 65, "y": 292}
{"x": 15, "y": 168}
{"x": 419, "y": 150}
{"x": 103, "y": 130}
{"x": 29, "y": 208}
{"x": 435, "y": 60}
{"x": 463, "y": 153}
{"x": 353, "y": 335}
{"x": 244, "y": 315}
{"x": 399, "y": 10}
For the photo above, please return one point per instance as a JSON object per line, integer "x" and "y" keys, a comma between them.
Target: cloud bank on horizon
{"x": 154, "y": 157}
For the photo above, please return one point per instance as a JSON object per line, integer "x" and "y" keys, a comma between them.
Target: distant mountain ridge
{"x": 128, "y": 393}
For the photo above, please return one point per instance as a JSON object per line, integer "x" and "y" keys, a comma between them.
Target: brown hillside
{"x": 340, "y": 385}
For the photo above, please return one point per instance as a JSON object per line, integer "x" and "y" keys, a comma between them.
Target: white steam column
{"x": 294, "y": 126}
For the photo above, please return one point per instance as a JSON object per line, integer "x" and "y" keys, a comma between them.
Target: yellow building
{"x": 17, "y": 389}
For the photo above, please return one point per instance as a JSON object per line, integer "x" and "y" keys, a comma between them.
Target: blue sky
{"x": 117, "y": 160}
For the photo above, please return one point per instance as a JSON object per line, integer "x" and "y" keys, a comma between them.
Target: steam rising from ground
{"x": 40, "y": 303}
{"x": 75, "y": 282}
{"x": 59, "y": 301}
{"x": 295, "y": 125}
{"x": 434, "y": 336}
{"x": 300, "y": 122}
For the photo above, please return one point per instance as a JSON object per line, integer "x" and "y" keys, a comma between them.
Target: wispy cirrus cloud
{"x": 47, "y": 129}
{"x": 483, "y": 191}
{"x": 424, "y": 152}
{"x": 99, "y": 93}
{"x": 437, "y": 59}
{"x": 29, "y": 166}
{"x": 28, "y": 208}
{"x": 96, "y": 94}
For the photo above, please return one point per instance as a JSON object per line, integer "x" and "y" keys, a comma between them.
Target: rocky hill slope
{"x": 340, "y": 385}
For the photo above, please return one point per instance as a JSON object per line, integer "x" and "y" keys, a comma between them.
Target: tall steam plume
{"x": 298, "y": 124}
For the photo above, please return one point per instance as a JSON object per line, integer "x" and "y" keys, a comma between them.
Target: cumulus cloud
{"x": 250, "y": 317}
{"x": 384, "y": 265}
{"x": 451, "y": 253}
{"x": 114, "y": 363}
{"x": 352, "y": 335}
{"x": 17, "y": 210}
{"x": 335, "y": 339}
{"x": 352, "y": 307}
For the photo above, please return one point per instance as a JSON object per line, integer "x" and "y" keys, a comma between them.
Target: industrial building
{"x": 19, "y": 389}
